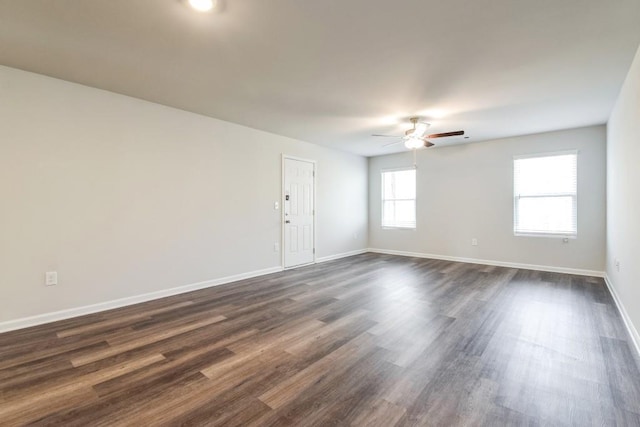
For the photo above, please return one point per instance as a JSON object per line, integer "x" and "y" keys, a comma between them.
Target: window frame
{"x": 516, "y": 197}
{"x": 382, "y": 199}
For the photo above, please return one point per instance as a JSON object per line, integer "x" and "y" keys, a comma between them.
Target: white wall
{"x": 466, "y": 192}
{"x": 124, "y": 197}
{"x": 623, "y": 197}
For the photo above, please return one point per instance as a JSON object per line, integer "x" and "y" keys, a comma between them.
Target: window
{"x": 399, "y": 198}
{"x": 545, "y": 193}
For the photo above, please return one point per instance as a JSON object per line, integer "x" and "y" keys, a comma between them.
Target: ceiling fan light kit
{"x": 202, "y": 5}
{"x": 414, "y": 143}
{"x": 417, "y": 137}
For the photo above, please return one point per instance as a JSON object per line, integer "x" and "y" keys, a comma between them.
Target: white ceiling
{"x": 333, "y": 72}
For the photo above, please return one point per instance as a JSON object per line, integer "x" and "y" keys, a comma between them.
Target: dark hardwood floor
{"x": 371, "y": 340}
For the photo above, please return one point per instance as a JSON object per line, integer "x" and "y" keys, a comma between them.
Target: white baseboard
{"x": 26, "y": 322}
{"x": 633, "y": 332}
{"x": 551, "y": 269}
{"x": 342, "y": 255}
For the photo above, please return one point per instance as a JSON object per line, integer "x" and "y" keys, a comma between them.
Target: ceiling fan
{"x": 417, "y": 137}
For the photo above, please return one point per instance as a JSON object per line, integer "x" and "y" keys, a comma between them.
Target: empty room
{"x": 319, "y": 213}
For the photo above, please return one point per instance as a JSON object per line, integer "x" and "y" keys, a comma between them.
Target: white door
{"x": 298, "y": 197}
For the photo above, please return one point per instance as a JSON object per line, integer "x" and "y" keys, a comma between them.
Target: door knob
{"x": 287, "y": 222}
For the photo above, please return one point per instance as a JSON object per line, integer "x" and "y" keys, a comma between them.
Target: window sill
{"x": 547, "y": 235}
{"x": 398, "y": 228}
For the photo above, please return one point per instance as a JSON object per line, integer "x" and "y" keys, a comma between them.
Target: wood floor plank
{"x": 369, "y": 340}
{"x": 131, "y": 343}
{"x": 380, "y": 413}
{"x": 111, "y": 323}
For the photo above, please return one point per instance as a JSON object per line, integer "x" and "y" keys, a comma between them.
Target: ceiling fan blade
{"x": 387, "y": 136}
{"x": 428, "y": 144}
{"x": 446, "y": 134}
{"x": 392, "y": 143}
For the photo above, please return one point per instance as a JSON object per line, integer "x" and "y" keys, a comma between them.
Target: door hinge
{"x": 314, "y": 250}
{"x": 314, "y": 174}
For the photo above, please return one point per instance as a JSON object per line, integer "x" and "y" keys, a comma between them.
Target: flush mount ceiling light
{"x": 202, "y": 5}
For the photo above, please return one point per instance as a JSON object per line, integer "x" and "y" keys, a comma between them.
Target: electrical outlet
{"x": 51, "y": 278}
{"x": 276, "y": 247}
{"x": 276, "y": 206}
{"x": 617, "y": 262}
{"x": 355, "y": 236}
{"x": 565, "y": 240}
{"x": 474, "y": 242}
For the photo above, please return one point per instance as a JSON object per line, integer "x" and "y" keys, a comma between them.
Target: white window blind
{"x": 545, "y": 193}
{"x": 399, "y": 198}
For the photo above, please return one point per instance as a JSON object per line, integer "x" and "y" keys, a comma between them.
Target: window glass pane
{"x": 405, "y": 213}
{"x": 546, "y": 214}
{"x": 545, "y": 175}
{"x": 405, "y": 182}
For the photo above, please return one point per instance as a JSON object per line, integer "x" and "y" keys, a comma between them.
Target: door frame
{"x": 282, "y": 217}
